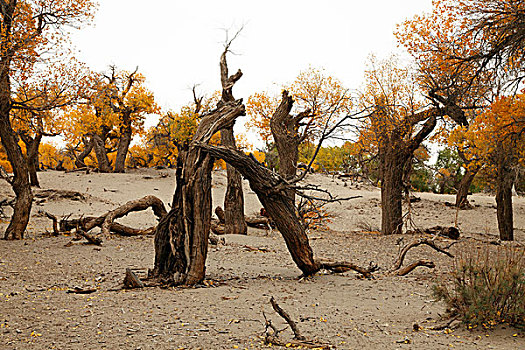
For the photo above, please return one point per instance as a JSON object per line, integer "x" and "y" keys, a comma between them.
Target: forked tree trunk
{"x": 395, "y": 152}
{"x": 32, "y": 145}
{"x": 123, "y": 144}
{"x": 505, "y": 178}
{"x": 271, "y": 192}
{"x": 101, "y": 154}
{"x": 181, "y": 238}
{"x": 463, "y": 188}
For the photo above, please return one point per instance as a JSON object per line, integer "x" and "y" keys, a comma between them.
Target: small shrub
{"x": 486, "y": 288}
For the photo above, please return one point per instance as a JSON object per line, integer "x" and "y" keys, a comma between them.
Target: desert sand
{"x": 227, "y": 312}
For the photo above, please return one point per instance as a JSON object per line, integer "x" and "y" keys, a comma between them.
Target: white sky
{"x": 177, "y": 44}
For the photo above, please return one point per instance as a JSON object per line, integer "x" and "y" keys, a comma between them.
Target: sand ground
{"x": 227, "y": 312}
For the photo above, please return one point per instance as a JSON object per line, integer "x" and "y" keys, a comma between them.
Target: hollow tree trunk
{"x": 271, "y": 191}
{"x": 505, "y": 178}
{"x": 234, "y": 222}
{"x": 101, "y": 154}
{"x": 392, "y": 192}
{"x": 123, "y": 144}
{"x": 181, "y": 238}
{"x": 463, "y": 188}
{"x": 88, "y": 146}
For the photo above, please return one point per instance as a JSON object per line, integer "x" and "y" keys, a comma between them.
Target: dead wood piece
{"x": 288, "y": 319}
{"x": 344, "y": 266}
{"x": 406, "y": 270}
{"x": 450, "y": 232}
{"x": 56, "y": 232}
{"x": 135, "y": 205}
{"x": 51, "y": 194}
{"x": 85, "y": 168}
{"x": 299, "y": 341}
{"x": 258, "y": 221}
{"x": 449, "y": 324}
{"x": 130, "y": 231}
{"x": 220, "y": 214}
{"x": 131, "y": 280}
{"x": 216, "y": 240}
{"x": 80, "y": 290}
{"x": 91, "y": 239}
{"x": 416, "y": 243}
{"x": 217, "y": 227}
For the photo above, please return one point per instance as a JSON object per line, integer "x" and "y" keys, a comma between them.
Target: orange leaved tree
{"x": 32, "y": 34}
{"x": 396, "y": 126}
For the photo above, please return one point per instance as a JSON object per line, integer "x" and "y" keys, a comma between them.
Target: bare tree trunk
{"x": 463, "y": 188}
{"x": 123, "y": 144}
{"x": 102, "y": 156}
{"x": 181, "y": 238}
{"x": 233, "y": 199}
{"x": 392, "y": 192}
{"x": 234, "y": 221}
{"x": 505, "y": 178}
{"x": 285, "y": 134}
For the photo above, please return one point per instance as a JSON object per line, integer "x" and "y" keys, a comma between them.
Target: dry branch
{"x": 299, "y": 340}
{"x": 135, "y": 205}
{"x": 396, "y": 268}
{"x": 344, "y": 266}
{"x": 131, "y": 280}
{"x": 406, "y": 270}
{"x": 91, "y": 239}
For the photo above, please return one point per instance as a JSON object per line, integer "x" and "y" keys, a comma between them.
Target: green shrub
{"x": 486, "y": 288}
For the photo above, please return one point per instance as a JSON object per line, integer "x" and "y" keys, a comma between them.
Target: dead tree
{"x": 285, "y": 131}
{"x": 181, "y": 238}
{"x": 233, "y": 199}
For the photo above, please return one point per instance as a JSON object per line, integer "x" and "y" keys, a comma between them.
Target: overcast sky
{"x": 177, "y": 44}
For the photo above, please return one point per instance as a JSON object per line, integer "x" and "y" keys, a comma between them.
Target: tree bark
{"x": 102, "y": 156}
{"x": 392, "y": 164}
{"x": 396, "y": 149}
{"x": 123, "y": 143}
{"x": 284, "y": 129}
{"x": 88, "y": 146}
{"x": 233, "y": 198}
{"x": 463, "y": 188}
{"x": 181, "y": 238}
{"x": 505, "y": 178}
{"x": 32, "y": 145}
